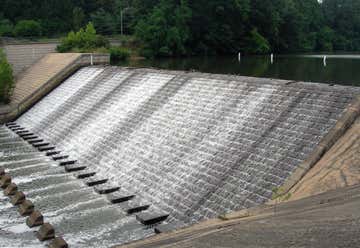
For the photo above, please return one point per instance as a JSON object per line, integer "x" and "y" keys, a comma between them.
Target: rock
{"x": 58, "y": 243}
{"x": 26, "y": 208}
{"x": 35, "y": 219}
{"x": 5, "y": 181}
{"x": 11, "y": 189}
{"x": 18, "y": 198}
{"x": 46, "y": 232}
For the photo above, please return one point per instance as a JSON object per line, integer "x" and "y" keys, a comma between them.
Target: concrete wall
{"x": 21, "y": 56}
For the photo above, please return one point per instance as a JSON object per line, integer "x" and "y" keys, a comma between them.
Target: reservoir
{"x": 339, "y": 69}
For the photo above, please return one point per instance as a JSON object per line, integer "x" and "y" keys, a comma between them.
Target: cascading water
{"x": 193, "y": 145}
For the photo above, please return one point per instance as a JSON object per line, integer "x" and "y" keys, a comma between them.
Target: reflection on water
{"x": 340, "y": 69}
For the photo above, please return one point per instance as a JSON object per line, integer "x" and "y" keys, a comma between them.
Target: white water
{"x": 193, "y": 145}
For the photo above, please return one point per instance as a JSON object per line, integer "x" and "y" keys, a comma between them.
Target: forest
{"x": 201, "y": 27}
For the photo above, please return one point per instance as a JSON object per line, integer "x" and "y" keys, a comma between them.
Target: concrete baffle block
{"x": 151, "y": 218}
{"x": 11, "y": 189}
{"x": 9, "y": 124}
{"x": 5, "y": 181}
{"x": 2, "y": 172}
{"x": 35, "y": 219}
{"x": 58, "y": 242}
{"x": 46, "y": 232}
{"x": 18, "y": 198}
{"x": 26, "y": 208}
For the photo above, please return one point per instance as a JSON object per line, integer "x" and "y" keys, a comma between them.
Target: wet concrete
{"x": 327, "y": 220}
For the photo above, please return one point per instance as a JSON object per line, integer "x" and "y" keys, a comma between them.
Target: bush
{"x": 27, "y": 28}
{"x": 6, "y": 28}
{"x": 119, "y": 54}
{"x": 83, "y": 40}
{"x": 6, "y": 79}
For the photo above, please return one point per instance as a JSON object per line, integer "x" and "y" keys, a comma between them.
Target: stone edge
{"x": 12, "y": 112}
{"x": 343, "y": 124}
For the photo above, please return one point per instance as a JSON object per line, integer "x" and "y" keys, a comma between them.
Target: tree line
{"x": 184, "y": 27}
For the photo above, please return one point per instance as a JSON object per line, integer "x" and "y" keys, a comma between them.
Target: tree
{"x": 27, "y": 28}
{"x": 78, "y": 18}
{"x": 257, "y": 44}
{"x": 104, "y": 22}
{"x": 6, "y": 28}
{"x": 165, "y": 31}
{"x": 84, "y": 40}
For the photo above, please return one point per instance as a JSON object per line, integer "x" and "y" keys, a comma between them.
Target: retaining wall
{"x": 22, "y": 56}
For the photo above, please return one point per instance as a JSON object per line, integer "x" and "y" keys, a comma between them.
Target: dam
{"x": 187, "y": 146}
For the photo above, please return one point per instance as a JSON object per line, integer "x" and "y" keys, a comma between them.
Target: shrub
{"x": 119, "y": 54}
{"x": 27, "y": 28}
{"x": 6, "y": 28}
{"x": 6, "y": 79}
{"x": 83, "y": 40}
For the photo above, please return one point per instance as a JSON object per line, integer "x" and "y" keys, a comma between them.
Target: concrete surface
{"x": 22, "y": 56}
{"x": 327, "y": 220}
{"x": 340, "y": 167}
{"x": 42, "y": 77}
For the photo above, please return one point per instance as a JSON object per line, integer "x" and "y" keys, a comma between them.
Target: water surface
{"x": 339, "y": 69}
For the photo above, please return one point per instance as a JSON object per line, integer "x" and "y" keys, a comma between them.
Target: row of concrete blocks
{"x": 91, "y": 180}
{"x": 18, "y": 198}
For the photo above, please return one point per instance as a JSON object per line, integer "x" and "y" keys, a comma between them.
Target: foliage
{"x": 182, "y": 27}
{"x": 325, "y": 39}
{"x": 165, "y": 31}
{"x": 6, "y": 28}
{"x": 103, "y": 22}
{"x": 257, "y": 44}
{"x": 118, "y": 54}
{"x": 78, "y": 18}
{"x": 83, "y": 40}
{"x": 6, "y": 79}
{"x": 27, "y": 28}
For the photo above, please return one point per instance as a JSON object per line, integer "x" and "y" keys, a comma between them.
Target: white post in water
{"x": 324, "y": 61}
{"x": 272, "y": 58}
{"x": 239, "y": 56}
{"x": 91, "y": 59}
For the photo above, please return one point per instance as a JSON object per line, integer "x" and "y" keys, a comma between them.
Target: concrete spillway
{"x": 191, "y": 145}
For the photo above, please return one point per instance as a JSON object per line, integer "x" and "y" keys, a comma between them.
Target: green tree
{"x": 27, "y": 28}
{"x": 104, "y": 22}
{"x": 257, "y": 44}
{"x": 78, "y": 18}
{"x": 6, "y": 28}
{"x": 165, "y": 31}
{"x": 84, "y": 40}
{"x": 325, "y": 39}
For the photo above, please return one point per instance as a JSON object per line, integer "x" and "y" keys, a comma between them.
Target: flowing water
{"x": 192, "y": 145}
